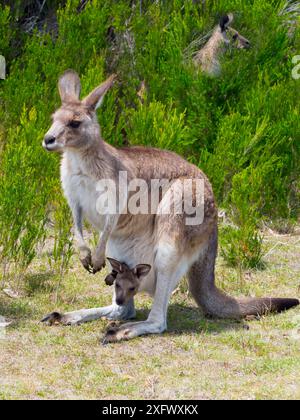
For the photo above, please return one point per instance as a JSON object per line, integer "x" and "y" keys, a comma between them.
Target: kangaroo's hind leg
{"x": 170, "y": 267}
{"x": 112, "y": 312}
{"x": 171, "y": 263}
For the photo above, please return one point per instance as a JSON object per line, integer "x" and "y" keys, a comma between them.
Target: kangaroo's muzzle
{"x": 50, "y": 143}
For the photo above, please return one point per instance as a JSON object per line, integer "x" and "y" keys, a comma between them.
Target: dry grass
{"x": 195, "y": 359}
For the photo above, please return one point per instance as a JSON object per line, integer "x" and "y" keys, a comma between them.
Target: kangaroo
{"x": 208, "y": 58}
{"x": 127, "y": 281}
{"x": 163, "y": 240}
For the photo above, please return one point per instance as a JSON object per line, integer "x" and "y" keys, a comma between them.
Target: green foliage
{"x": 6, "y": 31}
{"x": 23, "y": 199}
{"x": 242, "y": 128}
{"x": 63, "y": 245}
{"x": 158, "y": 125}
{"x": 242, "y": 247}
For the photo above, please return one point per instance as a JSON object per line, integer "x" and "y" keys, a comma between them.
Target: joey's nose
{"x": 120, "y": 302}
{"x": 49, "y": 140}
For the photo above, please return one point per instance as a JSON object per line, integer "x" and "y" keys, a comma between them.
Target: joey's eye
{"x": 74, "y": 124}
{"x": 118, "y": 286}
{"x": 132, "y": 289}
{"x": 235, "y": 37}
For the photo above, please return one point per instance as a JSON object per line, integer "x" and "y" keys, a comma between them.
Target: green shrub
{"x": 158, "y": 125}
{"x": 24, "y": 196}
{"x": 242, "y": 247}
{"x": 63, "y": 249}
{"x": 7, "y": 32}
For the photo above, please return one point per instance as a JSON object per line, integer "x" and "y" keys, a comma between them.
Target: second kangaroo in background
{"x": 208, "y": 58}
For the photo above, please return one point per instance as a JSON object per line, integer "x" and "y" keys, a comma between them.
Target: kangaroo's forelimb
{"x": 85, "y": 253}
{"x": 98, "y": 257}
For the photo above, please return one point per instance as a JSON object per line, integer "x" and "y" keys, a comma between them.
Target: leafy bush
{"x": 158, "y": 125}
{"x": 6, "y": 31}
{"x": 242, "y": 247}
{"x": 24, "y": 196}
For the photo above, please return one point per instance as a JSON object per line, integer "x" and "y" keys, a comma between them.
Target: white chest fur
{"x": 81, "y": 189}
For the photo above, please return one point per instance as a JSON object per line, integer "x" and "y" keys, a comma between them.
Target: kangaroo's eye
{"x": 74, "y": 124}
{"x": 118, "y": 286}
{"x": 132, "y": 289}
{"x": 235, "y": 37}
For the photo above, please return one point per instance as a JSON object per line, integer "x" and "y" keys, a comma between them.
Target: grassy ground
{"x": 196, "y": 358}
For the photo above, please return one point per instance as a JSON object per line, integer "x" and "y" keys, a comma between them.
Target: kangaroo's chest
{"x": 80, "y": 189}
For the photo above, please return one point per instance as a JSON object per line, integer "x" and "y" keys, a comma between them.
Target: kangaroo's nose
{"x": 49, "y": 140}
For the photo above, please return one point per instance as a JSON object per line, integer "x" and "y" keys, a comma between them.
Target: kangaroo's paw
{"x": 131, "y": 330}
{"x": 56, "y": 318}
{"x": 98, "y": 262}
{"x": 86, "y": 259}
{"x": 115, "y": 334}
{"x": 52, "y": 319}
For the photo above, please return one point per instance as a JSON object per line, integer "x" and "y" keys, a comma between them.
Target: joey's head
{"x": 127, "y": 281}
{"x": 75, "y": 123}
{"x": 232, "y": 37}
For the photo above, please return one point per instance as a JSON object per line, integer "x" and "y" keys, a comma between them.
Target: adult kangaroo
{"x": 222, "y": 38}
{"x": 165, "y": 241}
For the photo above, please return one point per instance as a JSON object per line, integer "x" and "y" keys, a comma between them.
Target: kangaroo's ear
{"x": 95, "y": 98}
{"x": 226, "y": 21}
{"x": 116, "y": 265}
{"x": 141, "y": 270}
{"x": 69, "y": 86}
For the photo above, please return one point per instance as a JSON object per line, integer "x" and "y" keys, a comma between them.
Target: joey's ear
{"x": 69, "y": 86}
{"x": 95, "y": 98}
{"x": 226, "y": 21}
{"x": 141, "y": 270}
{"x": 116, "y": 265}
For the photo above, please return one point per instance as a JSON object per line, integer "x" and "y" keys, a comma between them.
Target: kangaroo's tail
{"x": 216, "y": 303}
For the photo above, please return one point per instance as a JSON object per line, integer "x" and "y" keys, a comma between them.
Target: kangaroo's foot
{"x": 112, "y": 312}
{"x": 130, "y": 330}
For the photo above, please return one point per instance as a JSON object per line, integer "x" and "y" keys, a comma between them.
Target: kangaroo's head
{"x": 231, "y": 36}
{"x": 127, "y": 281}
{"x": 75, "y": 123}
